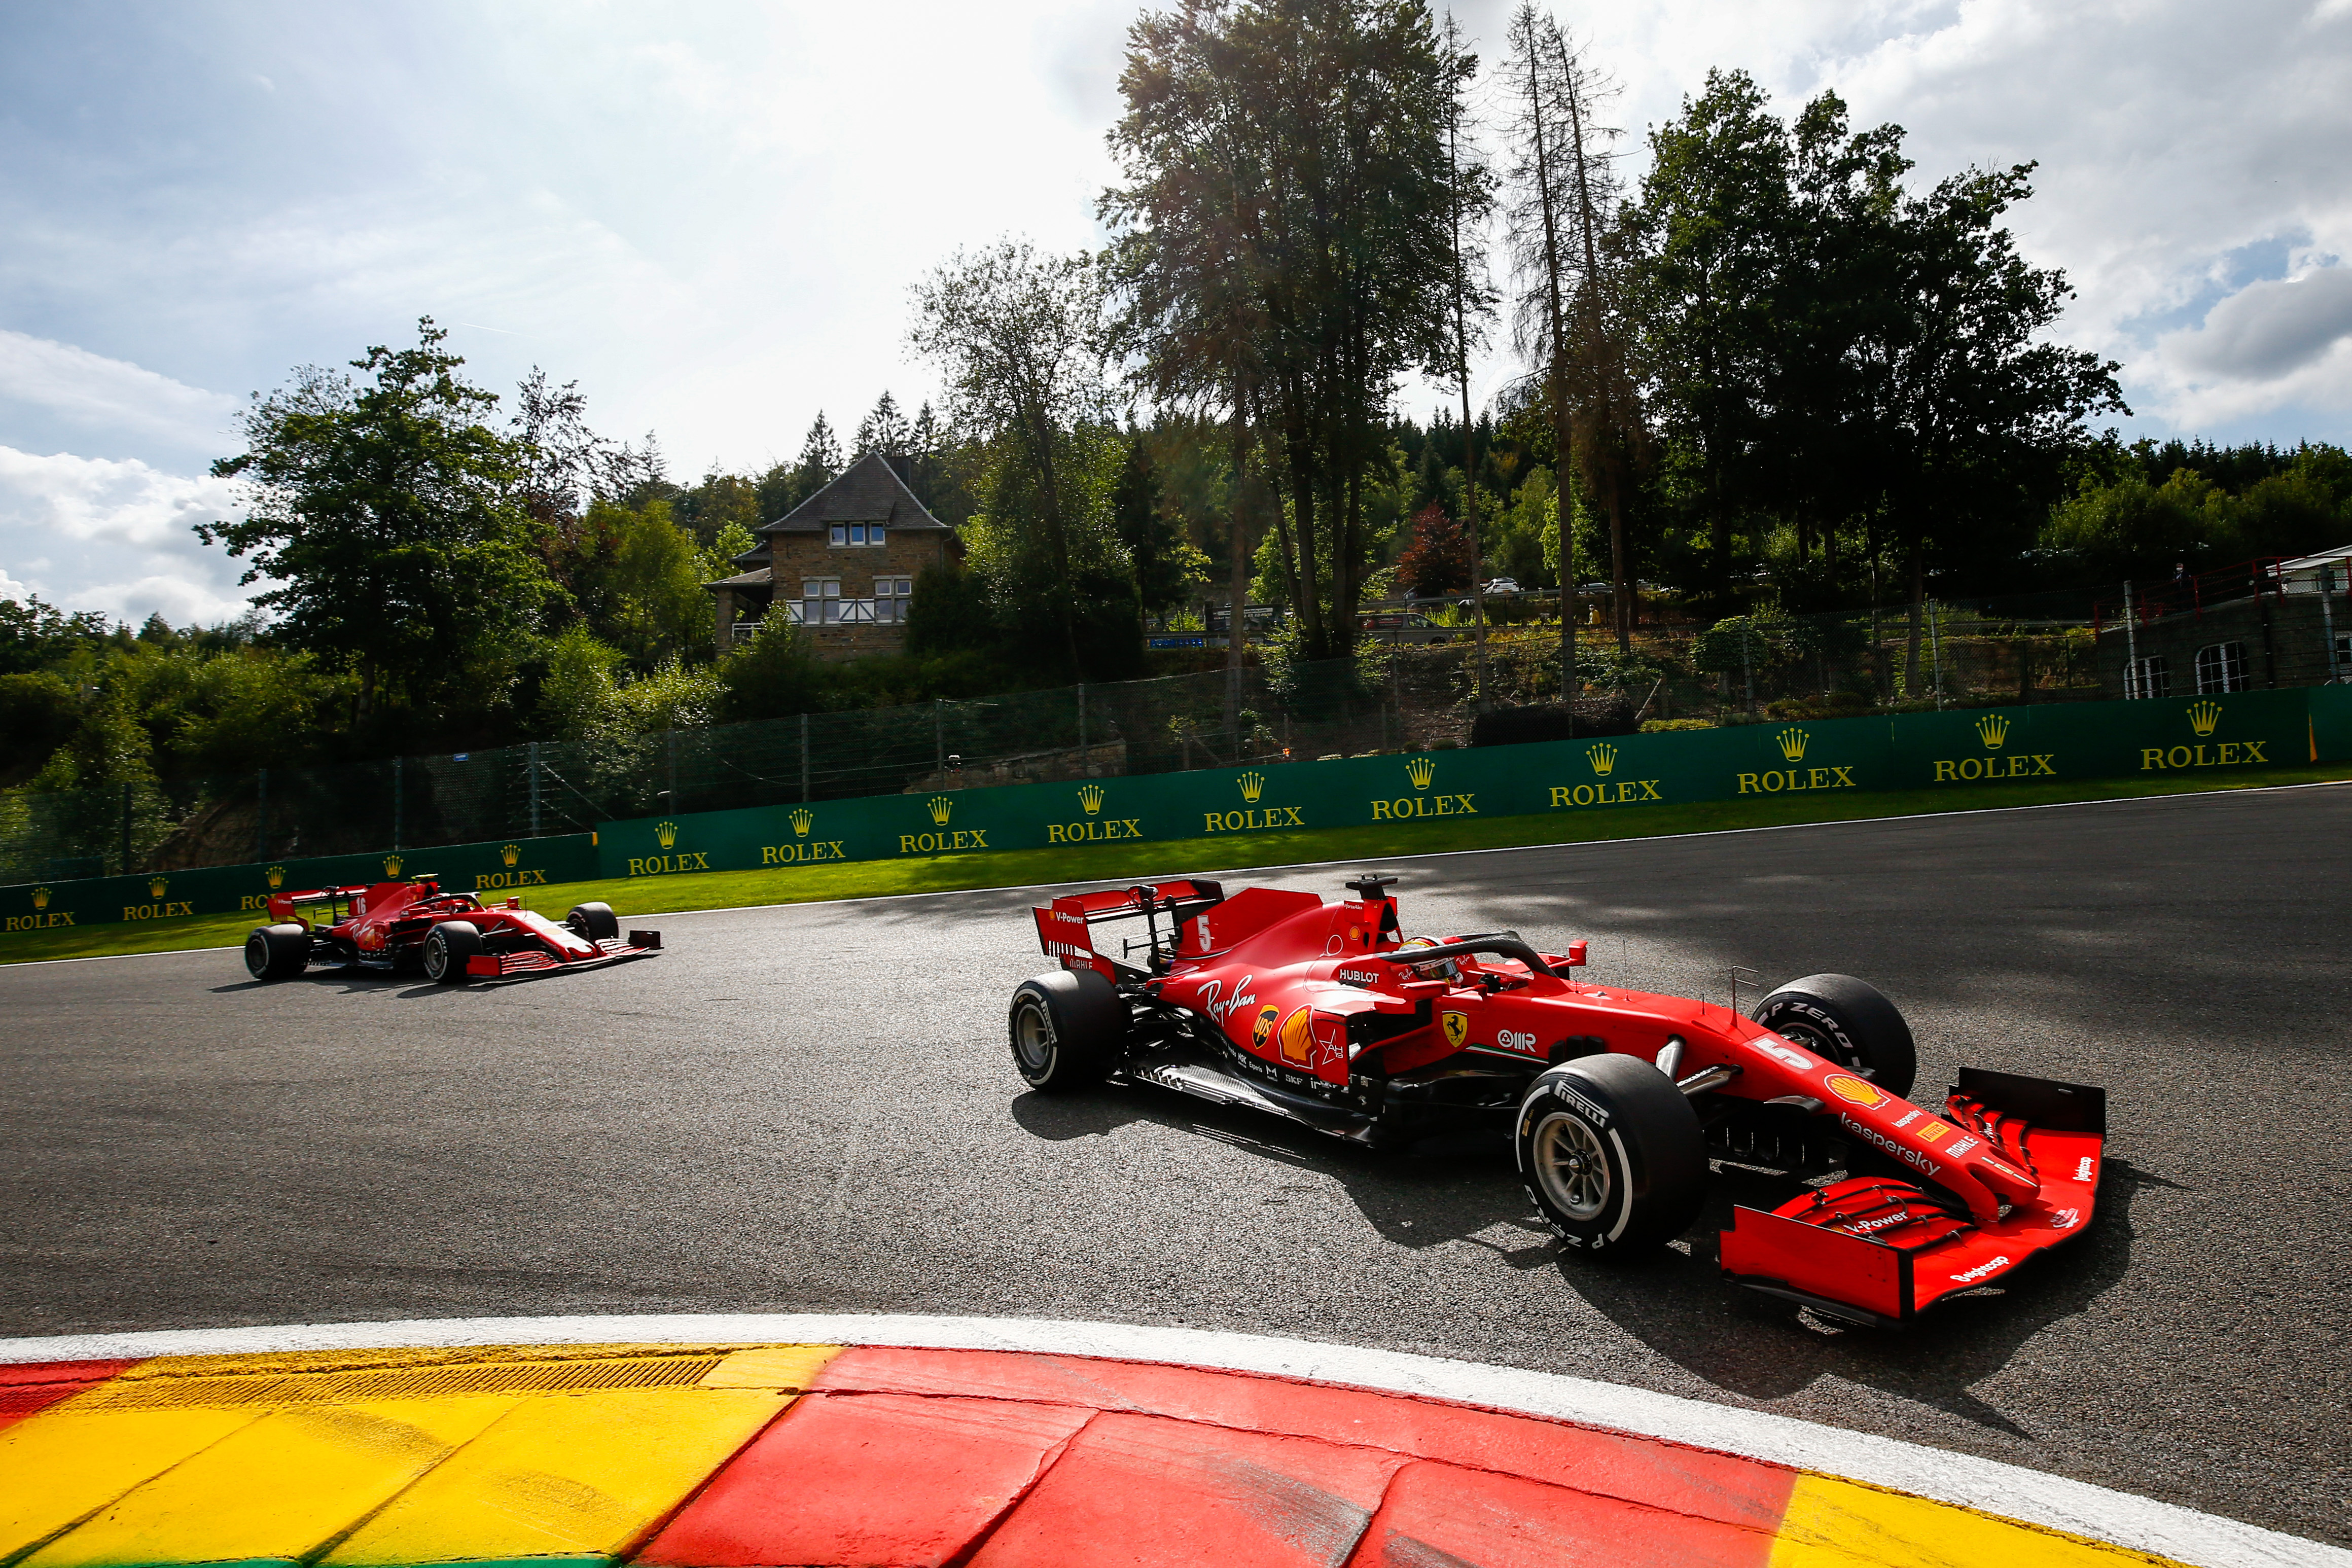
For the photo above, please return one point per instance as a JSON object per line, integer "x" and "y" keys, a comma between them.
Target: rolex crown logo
{"x": 1420, "y": 770}
{"x": 510, "y": 853}
{"x": 277, "y": 878}
{"x": 40, "y": 897}
{"x": 1992, "y": 730}
{"x": 1793, "y": 744}
{"x": 665, "y": 834}
{"x": 940, "y": 806}
{"x": 1091, "y": 797}
{"x": 1253, "y": 785}
{"x": 392, "y": 864}
{"x": 803, "y": 819}
{"x": 1604, "y": 758}
{"x": 155, "y": 885}
{"x": 2203, "y": 716}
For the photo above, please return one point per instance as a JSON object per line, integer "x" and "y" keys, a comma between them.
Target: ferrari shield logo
{"x": 1456, "y": 1026}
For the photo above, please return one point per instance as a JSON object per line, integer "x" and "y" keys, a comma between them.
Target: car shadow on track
{"x": 1463, "y": 1188}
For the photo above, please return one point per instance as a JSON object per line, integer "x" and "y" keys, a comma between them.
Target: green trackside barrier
{"x": 2161, "y": 738}
{"x": 490, "y": 869}
{"x": 2331, "y": 721}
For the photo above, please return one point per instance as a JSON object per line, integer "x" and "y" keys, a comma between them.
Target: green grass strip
{"x": 1033, "y": 868}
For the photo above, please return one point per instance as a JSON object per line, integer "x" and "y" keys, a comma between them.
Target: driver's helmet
{"x": 1444, "y": 968}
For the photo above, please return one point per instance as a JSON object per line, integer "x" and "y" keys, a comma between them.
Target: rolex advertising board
{"x": 2161, "y": 738}
{"x": 493, "y": 871}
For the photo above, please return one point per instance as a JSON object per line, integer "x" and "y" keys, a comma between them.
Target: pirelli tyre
{"x": 447, "y": 946}
{"x": 276, "y": 953}
{"x": 1068, "y": 1029}
{"x": 594, "y": 922}
{"x": 1850, "y": 1022}
{"x": 1612, "y": 1154}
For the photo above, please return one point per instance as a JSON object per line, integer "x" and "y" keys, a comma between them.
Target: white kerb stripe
{"x": 1988, "y": 1485}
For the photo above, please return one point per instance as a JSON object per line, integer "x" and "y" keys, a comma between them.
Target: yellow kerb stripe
{"x": 58, "y": 1467}
{"x": 1833, "y": 1523}
{"x": 281, "y": 1488}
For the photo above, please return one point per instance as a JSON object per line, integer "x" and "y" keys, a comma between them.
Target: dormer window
{"x": 859, "y": 533}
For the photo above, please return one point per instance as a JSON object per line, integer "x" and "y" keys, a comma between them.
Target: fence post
{"x": 1082, "y": 723}
{"x": 670, "y": 741}
{"x": 396, "y": 781}
{"x": 533, "y": 766}
{"x": 2327, "y": 615}
{"x": 940, "y": 737}
{"x": 1748, "y": 663}
{"x": 2132, "y": 683}
{"x": 1936, "y": 651}
{"x": 126, "y": 812}
{"x": 804, "y": 766}
{"x": 260, "y": 814}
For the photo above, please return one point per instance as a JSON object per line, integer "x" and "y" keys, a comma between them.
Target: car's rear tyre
{"x": 1611, "y": 1153}
{"x": 1850, "y": 1022}
{"x": 447, "y": 946}
{"x": 594, "y": 922}
{"x": 1068, "y": 1029}
{"x": 276, "y": 953}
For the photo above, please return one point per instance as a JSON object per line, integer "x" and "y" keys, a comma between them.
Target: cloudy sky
{"x": 709, "y": 215}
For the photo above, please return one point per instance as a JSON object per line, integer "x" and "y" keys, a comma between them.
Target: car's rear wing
{"x": 1064, "y": 926}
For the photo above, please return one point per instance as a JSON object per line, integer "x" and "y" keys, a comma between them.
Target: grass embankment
{"x": 1031, "y": 867}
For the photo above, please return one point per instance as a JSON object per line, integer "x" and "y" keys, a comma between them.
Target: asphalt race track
{"x": 812, "y": 1109}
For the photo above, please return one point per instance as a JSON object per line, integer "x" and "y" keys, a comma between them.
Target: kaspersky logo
{"x": 277, "y": 878}
{"x": 1793, "y": 744}
{"x": 1421, "y": 770}
{"x": 940, "y": 806}
{"x": 1251, "y": 786}
{"x": 1090, "y": 797}
{"x": 2203, "y": 716}
{"x": 1992, "y": 730}
{"x": 1604, "y": 758}
{"x": 666, "y": 834}
{"x": 802, "y": 819}
{"x": 510, "y": 853}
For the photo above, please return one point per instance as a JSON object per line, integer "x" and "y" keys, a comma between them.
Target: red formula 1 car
{"x": 453, "y": 936}
{"x": 1326, "y": 1014}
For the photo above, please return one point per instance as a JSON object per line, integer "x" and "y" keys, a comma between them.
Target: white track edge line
{"x": 1358, "y": 859}
{"x": 1990, "y": 1486}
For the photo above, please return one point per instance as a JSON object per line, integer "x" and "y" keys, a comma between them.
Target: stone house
{"x": 843, "y": 564}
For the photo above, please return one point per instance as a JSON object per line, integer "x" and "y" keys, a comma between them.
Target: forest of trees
{"x": 1766, "y": 364}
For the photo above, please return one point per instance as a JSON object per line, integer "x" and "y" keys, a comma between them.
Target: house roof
{"x": 869, "y": 490}
{"x": 759, "y": 579}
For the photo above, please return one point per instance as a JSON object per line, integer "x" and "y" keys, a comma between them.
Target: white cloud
{"x": 115, "y": 535}
{"x": 2270, "y": 329}
{"x": 109, "y": 394}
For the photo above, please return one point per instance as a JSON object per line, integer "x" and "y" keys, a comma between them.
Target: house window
{"x": 2149, "y": 677}
{"x": 2221, "y": 668}
{"x": 841, "y": 534}
{"x": 819, "y": 601}
{"x": 891, "y": 597}
{"x": 859, "y": 533}
{"x": 875, "y": 533}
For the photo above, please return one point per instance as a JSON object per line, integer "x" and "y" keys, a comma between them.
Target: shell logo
{"x": 1792, "y": 743}
{"x": 1852, "y": 1089}
{"x": 1604, "y": 758}
{"x": 1297, "y": 1040}
{"x": 940, "y": 806}
{"x": 1420, "y": 770}
{"x": 1251, "y": 786}
{"x": 803, "y": 819}
{"x": 1091, "y": 797}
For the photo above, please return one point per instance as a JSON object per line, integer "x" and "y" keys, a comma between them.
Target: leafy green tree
{"x": 1164, "y": 564}
{"x": 389, "y": 520}
{"x": 637, "y": 579}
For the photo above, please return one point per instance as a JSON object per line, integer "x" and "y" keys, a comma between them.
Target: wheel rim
{"x": 1033, "y": 1039}
{"x": 1572, "y": 1166}
{"x": 257, "y": 955}
{"x": 1812, "y": 1037}
{"x": 437, "y": 955}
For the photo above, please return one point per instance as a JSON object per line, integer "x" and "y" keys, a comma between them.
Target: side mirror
{"x": 1576, "y": 955}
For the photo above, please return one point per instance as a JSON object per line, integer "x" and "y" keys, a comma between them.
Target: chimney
{"x": 903, "y": 465}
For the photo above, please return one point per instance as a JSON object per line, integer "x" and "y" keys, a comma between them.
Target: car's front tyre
{"x": 447, "y": 946}
{"x": 1611, "y": 1153}
{"x": 1066, "y": 1028}
{"x": 1848, "y": 1021}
